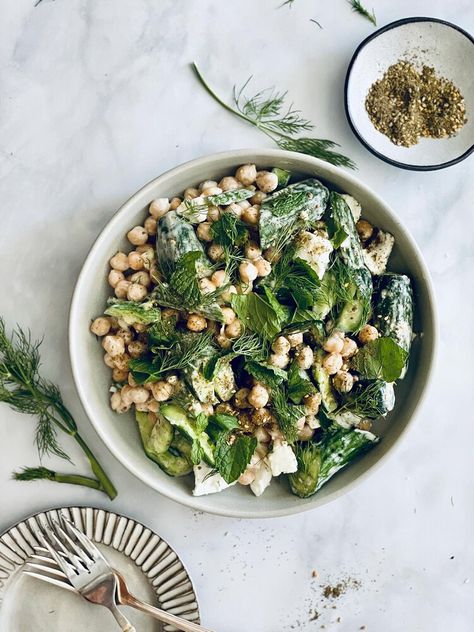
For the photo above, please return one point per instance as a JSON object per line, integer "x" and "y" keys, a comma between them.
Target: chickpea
{"x": 343, "y": 381}
{"x": 267, "y": 181}
{"x": 364, "y": 229}
{"x": 223, "y": 341}
{"x": 190, "y": 193}
{"x": 247, "y": 271}
{"x": 142, "y": 277}
{"x": 136, "y": 348}
{"x": 196, "y": 323}
{"x": 109, "y": 361}
{"x": 244, "y": 204}
{"x": 332, "y": 363}
{"x": 211, "y": 191}
{"x": 119, "y": 262}
{"x": 159, "y": 207}
{"x": 148, "y": 255}
{"x": 121, "y": 361}
{"x": 272, "y": 255}
{"x": 117, "y": 404}
{"x": 204, "y": 231}
{"x": 261, "y": 434}
{"x": 137, "y": 236}
{"x": 313, "y": 422}
{"x": 207, "y": 184}
{"x": 169, "y": 312}
{"x": 334, "y": 343}
{"x": 312, "y": 402}
{"x": 136, "y": 292}
{"x": 262, "y": 417}
{"x": 246, "y": 174}
{"x": 234, "y": 330}
{"x": 135, "y": 260}
{"x": 216, "y": 252}
{"x": 368, "y": 333}
{"x": 100, "y": 326}
{"x": 126, "y": 335}
{"x": 228, "y": 183}
{"x": 155, "y": 274}
{"x": 251, "y": 215}
{"x": 213, "y": 213}
{"x": 114, "y": 278}
{"x": 281, "y": 345}
{"x": 306, "y": 433}
{"x": 349, "y": 348}
{"x": 229, "y": 315}
{"x": 295, "y": 339}
{"x": 219, "y": 278}
{"x": 280, "y": 360}
{"x": 139, "y": 394}
{"x": 244, "y": 288}
{"x": 241, "y": 398}
{"x": 206, "y": 286}
{"x": 227, "y": 295}
{"x": 257, "y": 198}
{"x": 175, "y": 202}
{"x": 252, "y": 250}
{"x": 258, "y": 396}
{"x": 234, "y": 209}
{"x": 248, "y": 476}
{"x": 113, "y": 345}
{"x": 263, "y": 266}
{"x": 150, "y": 225}
{"x": 304, "y": 357}
{"x": 119, "y": 376}
{"x": 153, "y": 406}
{"x": 131, "y": 380}
{"x": 161, "y": 391}
{"x": 121, "y": 289}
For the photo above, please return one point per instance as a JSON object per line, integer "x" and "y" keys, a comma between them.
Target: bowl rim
{"x": 240, "y": 156}
{"x": 352, "y": 124}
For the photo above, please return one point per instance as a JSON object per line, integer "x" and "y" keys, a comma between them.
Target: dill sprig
{"x": 26, "y": 391}
{"x": 45, "y": 474}
{"x": 359, "y": 8}
{"x": 267, "y": 111}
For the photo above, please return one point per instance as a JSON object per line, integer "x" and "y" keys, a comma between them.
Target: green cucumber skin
{"x": 178, "y": 417}
{"x": 393, "y": 308}
{"x": 174, "y": 238}
{"x": 323, "y": 381}
{"x": 298, "y": 218}
{"x": 341, "y": 215}
{"x": 356, "y": 313}
{"x": 156, "y": 442}
{"x": 282, "y": 175}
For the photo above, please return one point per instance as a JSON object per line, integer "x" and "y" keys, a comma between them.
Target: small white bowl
{"x": 424, "y": 41}
{"x": 92, "y": 377}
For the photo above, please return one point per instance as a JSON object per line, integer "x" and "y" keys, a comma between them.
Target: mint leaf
{"x": 201, "y": 422}
{"x": 232, "y": 458}
{"x": 258, "y": 315}
{"x": 226, "y": 422}
{"x": 184, "y": 278}
{"x": 270, "y": 375}
{"x": 381, "y": 359}
{"x": 298, "y": 385}
{"x": 197, "y": 453}
{"x": 229, "y": 230}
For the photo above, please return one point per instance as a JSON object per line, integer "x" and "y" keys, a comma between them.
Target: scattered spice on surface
{"x": 407, "y": 104}
{"x": 335, "y": 591}
{"x": 314, "y": 574}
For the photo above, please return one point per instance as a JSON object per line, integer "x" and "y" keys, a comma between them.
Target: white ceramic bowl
{"x": 424, "y": 41}
{"x": 92, "y": 377}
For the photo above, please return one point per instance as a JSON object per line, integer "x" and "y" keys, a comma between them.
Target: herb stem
{"x": 105, "y": 484}
{"x": 43, "y": 473}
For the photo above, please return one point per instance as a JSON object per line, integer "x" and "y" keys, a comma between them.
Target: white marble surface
{"x": 96, "y": 99}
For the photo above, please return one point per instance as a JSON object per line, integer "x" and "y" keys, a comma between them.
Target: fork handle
{"x": 164, "y": 617}
{"x": 123, "y": 622}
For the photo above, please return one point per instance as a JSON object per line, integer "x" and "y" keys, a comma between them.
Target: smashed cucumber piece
{"x": 282, "y": 175}
{"x": 158, "y": 439}
{"x": 178, "y": 418}
{"x": 131, "y": 312}
{"x": 323, "y": 381}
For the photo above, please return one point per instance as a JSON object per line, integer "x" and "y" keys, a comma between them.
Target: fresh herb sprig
{"x": 26, "y": 391}
{"x": 358, "y": 7}
{"x": 267, "y": 111}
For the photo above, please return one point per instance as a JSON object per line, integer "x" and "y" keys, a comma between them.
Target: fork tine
{"x": 52, "y": 570}
{"x": 88, "y": 545}
{"x": 63, "y": 564}
{"x": 79, "y": 551}
{"x": 71, "y": 557}
{"x": 50, "y": 580}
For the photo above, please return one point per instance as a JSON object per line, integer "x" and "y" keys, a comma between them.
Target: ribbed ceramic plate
{"x": 153, "y": 571}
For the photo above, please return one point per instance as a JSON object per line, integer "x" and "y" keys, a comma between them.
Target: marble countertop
{"x": 97, "y": 98}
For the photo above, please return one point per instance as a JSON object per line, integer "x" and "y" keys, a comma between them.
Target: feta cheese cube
{"x": 354, "y": 205}
{"x": 206, "y": 482}
{"x": 282, "y": 459}
{"x": 378, "y": 251}
{"x": 315, "y": 250}
{"x": 263, "y": 476}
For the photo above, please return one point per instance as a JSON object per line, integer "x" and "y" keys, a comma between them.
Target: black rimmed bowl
{"x": 423, "y": 41}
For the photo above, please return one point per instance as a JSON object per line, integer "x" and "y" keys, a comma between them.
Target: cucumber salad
{"x": 255, "y": 331}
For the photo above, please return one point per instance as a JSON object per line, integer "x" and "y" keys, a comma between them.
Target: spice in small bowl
{"x": 407, "y": 104}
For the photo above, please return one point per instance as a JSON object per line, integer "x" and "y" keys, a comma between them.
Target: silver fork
{"x": 84, "y": 567}
{"x": 47, "y": 567}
